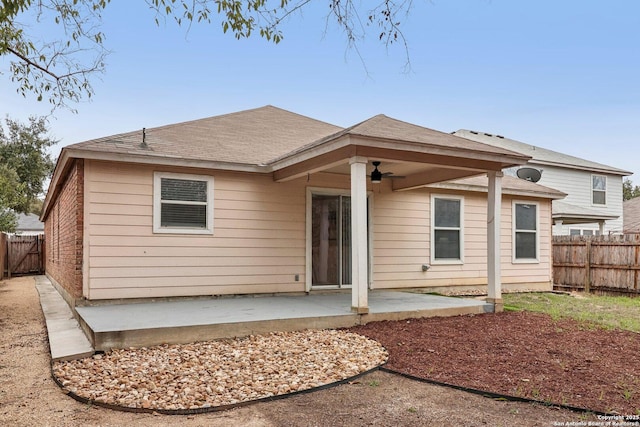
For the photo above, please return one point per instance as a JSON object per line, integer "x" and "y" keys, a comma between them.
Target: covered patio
{"x": 202, "y": 319}
{"x": 420, "y": 157}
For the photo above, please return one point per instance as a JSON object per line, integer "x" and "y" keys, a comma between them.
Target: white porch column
{"x": 494, "y": 205}
{"x": 558, "y": 227}
{"x": 359, "y": 300}
{"x": 601, "y": 227}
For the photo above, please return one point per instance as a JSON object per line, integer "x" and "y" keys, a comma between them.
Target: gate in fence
{"x": 21, "y": 255}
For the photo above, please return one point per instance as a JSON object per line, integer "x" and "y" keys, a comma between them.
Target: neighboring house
{"x": 29, "y": 225}
{"x": 631, "y": 210}
{"x": 267, "y": 201}
{"x": 594, "y": 191}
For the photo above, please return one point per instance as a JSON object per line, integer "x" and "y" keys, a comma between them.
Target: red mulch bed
{"x": 519, "y": 354}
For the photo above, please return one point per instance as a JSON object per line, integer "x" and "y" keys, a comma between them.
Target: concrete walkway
{"x": 66, "y": 340}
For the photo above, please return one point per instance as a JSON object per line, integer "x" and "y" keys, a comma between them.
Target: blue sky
{"x": 563, "y": 75}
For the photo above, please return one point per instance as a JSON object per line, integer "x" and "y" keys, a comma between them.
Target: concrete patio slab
{"x": 145, "y": 324}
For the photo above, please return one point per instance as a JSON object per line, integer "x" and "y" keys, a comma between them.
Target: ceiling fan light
{"x": 376, "y": 176}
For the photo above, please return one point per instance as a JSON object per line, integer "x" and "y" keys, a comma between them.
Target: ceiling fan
{"x": 376, "y": 175}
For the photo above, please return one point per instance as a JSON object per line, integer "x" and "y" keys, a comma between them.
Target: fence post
{"x": 587, "y": 267}
{"x": 3, "y": 253}
{"x": 635, "y": 263}
{"x": 9, "y": 257}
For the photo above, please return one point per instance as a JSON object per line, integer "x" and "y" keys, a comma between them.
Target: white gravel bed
{"x": 217, "y": 373}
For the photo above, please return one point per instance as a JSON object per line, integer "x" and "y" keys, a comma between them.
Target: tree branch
{"x": 34, "y": 64}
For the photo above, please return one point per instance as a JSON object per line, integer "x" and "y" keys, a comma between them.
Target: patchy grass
{"x": 604, "y": 311}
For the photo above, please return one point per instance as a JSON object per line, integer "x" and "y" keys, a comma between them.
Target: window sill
{"x": 183, "y": 231}
{"x": 447, "y": 262}
{"x": 526, "y": 261}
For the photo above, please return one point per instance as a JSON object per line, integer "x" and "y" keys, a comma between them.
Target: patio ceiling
{"x": 412, "y": 165}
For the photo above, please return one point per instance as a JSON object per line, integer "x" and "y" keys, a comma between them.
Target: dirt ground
{"x": 29, "y": 397}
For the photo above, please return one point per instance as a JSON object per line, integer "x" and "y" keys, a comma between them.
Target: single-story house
{"x": 267, "y": 201}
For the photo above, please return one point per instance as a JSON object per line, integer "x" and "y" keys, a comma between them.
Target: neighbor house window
{"x": 599, "y": 189}
{"x": 525, "y": 231}
{"x": 586, "y": 232}
{"x": 446, "y": 226}
{"x": 182, "y": 203}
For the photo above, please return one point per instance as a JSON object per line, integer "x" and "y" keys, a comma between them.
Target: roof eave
{"x": 69, "y": 153}
{"x": 618, "y": 172}
{"x": 166, "y": 160}
{"x": 583, "y": 218}
{"x": 506, "y": 160}
{"x": 58, "y": 172}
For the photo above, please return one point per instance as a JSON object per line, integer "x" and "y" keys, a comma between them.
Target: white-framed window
{"x": 583, "y": 232}
{"x": 182, "y": 203}
{"x": 598, "y": 189}
{"x": 447, "y": 231}
{"x": 526, "y": 224}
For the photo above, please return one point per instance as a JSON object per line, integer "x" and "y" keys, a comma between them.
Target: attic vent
{"x": 500, "y": 136}
{"x": 473, "y": 132}
{"x": 488, "y": 134}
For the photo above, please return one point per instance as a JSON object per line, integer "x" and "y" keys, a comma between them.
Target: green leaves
{"x": 60, "y": 70}
{"x": 57, "y": 70}
{"x": 11, "y": 198}
{"x": 629, "y": 191}
{"x": 25, "y": 163}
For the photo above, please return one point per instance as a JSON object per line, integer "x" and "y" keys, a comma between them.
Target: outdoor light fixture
{"x": 376, "y": 175}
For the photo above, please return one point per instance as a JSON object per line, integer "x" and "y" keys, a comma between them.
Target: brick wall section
{"x": 64, "y": 232}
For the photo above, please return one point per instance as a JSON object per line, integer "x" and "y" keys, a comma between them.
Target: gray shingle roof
{"x": 539, "y": 154}
{"x": 387, "y": 128}
{"x": 246, "y": 137}
{"x": 29, "y": 222}
{"x": 567, "y": 210}
{"x": 264, "y": 135}
{"x": 510, "y": 185}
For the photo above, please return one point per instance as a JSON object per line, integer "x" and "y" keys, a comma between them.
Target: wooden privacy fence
{"x": 598, "y": 264}
{"x": 21, "y": 254}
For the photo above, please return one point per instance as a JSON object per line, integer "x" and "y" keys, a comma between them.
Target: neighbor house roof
{"x": 573, "y": 214}
{"x": 29, "y": 223}
{"x": 540, "y": 155}
{"x": 631, "y": 215}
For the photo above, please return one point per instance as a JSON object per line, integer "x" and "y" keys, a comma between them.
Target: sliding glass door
{"x": 331, "y": 240}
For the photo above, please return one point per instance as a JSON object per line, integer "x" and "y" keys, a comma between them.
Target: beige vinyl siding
{"x": 400, "y": 237}
{"x": 259, "y": 238}
{"x": 402, "y": 243}
{"x": 258, "y": 244}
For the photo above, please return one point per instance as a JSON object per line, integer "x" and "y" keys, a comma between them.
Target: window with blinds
{"x": 183, "y": 203}
{"x": 446, "y": 229}
{"x": 525, "y": 232}
{"x": 598, "y": 189}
